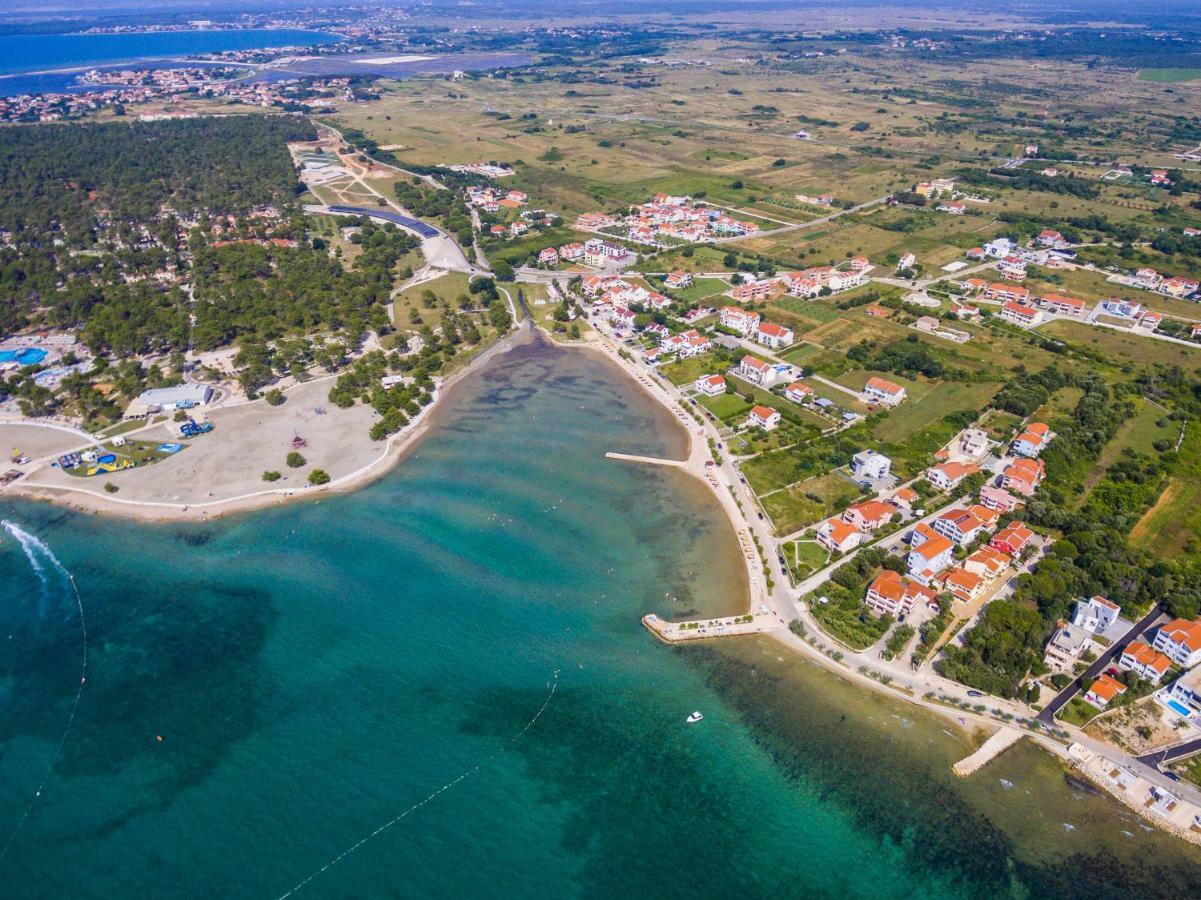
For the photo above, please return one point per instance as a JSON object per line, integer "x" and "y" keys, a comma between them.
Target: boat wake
{"x": 40, "y": 557}
{"x": 554, "y": 686}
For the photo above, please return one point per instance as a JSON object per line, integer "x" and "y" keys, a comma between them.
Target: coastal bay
{"x": 37, "y": 53}
{"x": 316, "y": 670}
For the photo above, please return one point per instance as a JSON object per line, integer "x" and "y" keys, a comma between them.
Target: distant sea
{"x": 455, "y": 653}
{"x": 30, "y": 55}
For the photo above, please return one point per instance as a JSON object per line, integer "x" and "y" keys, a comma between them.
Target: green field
{"x": 446, "y": 289}
{"x": 686, "y": 371}
{"x": 810, "y": 501}
{"x": 725, "y": 406}
{"x": 804, "y": 557}
{"x": 924, "y": 408}
{"x": 1168, "y": 76}
{"x": 1173, "y": 524}
{"x": 1122, "y": 347}
{"x": 698, "y": 290}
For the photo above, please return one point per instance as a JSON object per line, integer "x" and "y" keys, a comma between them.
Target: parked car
{"x": 974, "y": 694}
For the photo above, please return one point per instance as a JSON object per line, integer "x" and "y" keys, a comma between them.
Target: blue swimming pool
{"x": 30, "y": 356}
{"x": 1180, "y": 708}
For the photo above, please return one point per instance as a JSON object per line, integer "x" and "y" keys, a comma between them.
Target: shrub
{"x": 295, "y": 460}
{"x": 110, "y": 488}
{"x": 318, "y": 476}
{"x": 271, "y": 475}
{"x": 274, "y": 397}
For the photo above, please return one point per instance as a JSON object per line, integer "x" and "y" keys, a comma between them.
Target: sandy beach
{"x": 221, "y": 472}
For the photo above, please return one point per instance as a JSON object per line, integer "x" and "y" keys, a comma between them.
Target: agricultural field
{"x": 1169, "y": 76}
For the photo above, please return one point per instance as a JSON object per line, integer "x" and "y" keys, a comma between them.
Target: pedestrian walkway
{"x": 704, "y": 629}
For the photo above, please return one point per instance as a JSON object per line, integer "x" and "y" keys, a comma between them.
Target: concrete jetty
{"x": 649, "y": 460}
{"x": 989, "y": 750}
{"x": 705, "y": 629}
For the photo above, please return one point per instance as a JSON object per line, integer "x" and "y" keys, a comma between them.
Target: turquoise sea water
{"x": 317, "y": 671}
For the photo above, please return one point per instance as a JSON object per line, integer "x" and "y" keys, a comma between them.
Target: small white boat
{"x": 694, "y": 718}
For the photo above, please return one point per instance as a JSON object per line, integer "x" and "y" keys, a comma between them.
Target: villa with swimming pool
{"x": 1183, "y": 696}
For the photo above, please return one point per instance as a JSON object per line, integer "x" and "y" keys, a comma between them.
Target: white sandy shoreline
{"x": 87, "y": 499}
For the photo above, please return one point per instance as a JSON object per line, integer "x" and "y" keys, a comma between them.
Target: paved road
{"x": 813, "y": 223}
{"x": 1171, "y": 754}
{"x": 1047, "y": 716}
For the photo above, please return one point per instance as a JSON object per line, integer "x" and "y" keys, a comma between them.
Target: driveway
{"x": 1047, "y": 716}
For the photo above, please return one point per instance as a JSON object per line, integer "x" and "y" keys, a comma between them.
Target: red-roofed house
{"x": 740, "y": 320}
{"x": 1024, "y": 476}
{"x": 763, "y": 417}
{"x": 1178, "y": 287}
{"x": 1139, "y": 658}
{"x": 798, "y": 392}
{"x": 754, "y": 370}
{"x": 959, "y": 525}
{"x": 1033, "y": 440}
{"x": 774, "y": 336}
{"x": 622, "y": 318}
{"x": 1061, "y": 305}
{"x": 1012, "y": 268}
{"x": 963, "y": 585}
{"x": 950, "y": 474}
{"x": 987, "y": 562}
{"x": 1103, "y": 691}
{"x": 869, "y": 515}
{"x": 711, "y": 385}
{"x": 1180, "y": 640}
{"x": 838, "y": 536}
{"x": 879, "y": 390}
{"x": 1022, "y": 314}
{"x": 929, "y": 553}
{"x": 756, "y": 291}
{"x": 890, "y": 594}
{"x": 999, "y": 499}
{"x": 1012, "y": 539}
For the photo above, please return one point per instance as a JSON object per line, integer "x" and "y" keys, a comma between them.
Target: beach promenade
{"x": 774, "y": 607}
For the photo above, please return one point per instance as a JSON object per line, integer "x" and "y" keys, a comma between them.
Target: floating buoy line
{"x": 35, "y": 551}
{"x": 553, "y": 686}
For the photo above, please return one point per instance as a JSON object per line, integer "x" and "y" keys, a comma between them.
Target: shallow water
{"x": 316, "y": 671}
